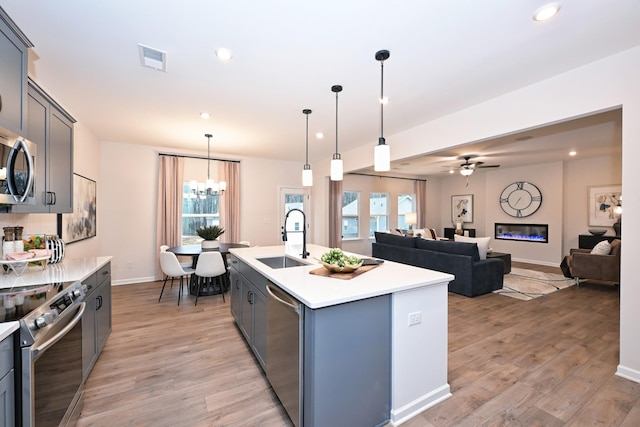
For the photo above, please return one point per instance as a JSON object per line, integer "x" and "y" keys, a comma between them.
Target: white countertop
{"x": 7, "y": 328}
{"x": 318, "y": 291}
{"x": 70, "y": 269}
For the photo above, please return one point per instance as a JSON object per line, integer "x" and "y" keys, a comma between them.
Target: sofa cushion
{"x": 615, "y": 247}
{"x": 456, "y": 248}
{"x": 483, "y": 243}
{"x": 602, "y": 248}
{"x": 392, "y": 239}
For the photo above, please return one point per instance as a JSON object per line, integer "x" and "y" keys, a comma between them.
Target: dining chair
{"x": 210, "y": 266}
{"x": 184, "y": 264}
{"x": 171, "y": 268}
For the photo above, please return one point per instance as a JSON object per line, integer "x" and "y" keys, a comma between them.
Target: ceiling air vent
{"x": 152, "y": 58}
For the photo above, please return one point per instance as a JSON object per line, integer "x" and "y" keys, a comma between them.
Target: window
{"x": 350, "y": 214}
{"x": 378, "y": 212}
{"x": 199, "y": 209}
{"x": 406, "y": 204}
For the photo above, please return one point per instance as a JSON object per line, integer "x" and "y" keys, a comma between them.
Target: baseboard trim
{"x": 133, "y": 281}
{"x": 533, "y": 261}
{"x": 410, "y": 410}
{"x": 628, "y": 373}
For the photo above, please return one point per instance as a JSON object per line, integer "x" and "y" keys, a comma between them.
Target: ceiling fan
{"x": 467, "y": 168}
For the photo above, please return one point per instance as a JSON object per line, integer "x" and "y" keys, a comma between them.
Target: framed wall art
{"x": 462, "y": 208}
{"x": 81, "y": 224}
{"x": 602, "y": 203}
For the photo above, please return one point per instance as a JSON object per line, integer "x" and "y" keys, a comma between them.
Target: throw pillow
{"x": 483, "y": 243}
{"x": 602, "y": 248}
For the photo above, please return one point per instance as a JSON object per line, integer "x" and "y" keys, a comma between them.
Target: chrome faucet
{"x": 304, "y": 231}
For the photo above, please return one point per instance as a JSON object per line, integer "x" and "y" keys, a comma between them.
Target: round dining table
{"x": 193, "y": 251}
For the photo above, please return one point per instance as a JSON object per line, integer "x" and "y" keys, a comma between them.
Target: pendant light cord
{"x": 208, "y": 155}
{"x": 336, "y": 122}
{"x": 307, "y": 143}
{"x": 382, "y": 99}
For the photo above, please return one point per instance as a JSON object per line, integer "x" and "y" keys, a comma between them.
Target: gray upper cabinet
{"x": 51, "y": 128}
{"x": 14, "y": 47}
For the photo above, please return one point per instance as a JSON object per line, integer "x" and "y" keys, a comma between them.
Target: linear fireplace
{"x": 522, "y": 232}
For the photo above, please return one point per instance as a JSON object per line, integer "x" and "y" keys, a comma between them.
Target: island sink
{"x": 282, "y": 261}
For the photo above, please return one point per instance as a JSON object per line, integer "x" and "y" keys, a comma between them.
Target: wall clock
{"x": 520, "y": 199}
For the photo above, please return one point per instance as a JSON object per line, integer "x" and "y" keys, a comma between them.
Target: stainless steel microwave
{"x": 17, "y": 169}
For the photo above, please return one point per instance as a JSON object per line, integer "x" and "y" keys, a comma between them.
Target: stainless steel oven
{"x": 50, "y": 352}
{"x": 17, "y": 169}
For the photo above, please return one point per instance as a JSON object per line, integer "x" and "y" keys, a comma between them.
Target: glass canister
{"x": 18, "y": 244}
{"x": 7, "y": 243}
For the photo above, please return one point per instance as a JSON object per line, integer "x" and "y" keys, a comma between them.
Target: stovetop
{"x": 18, "y": 302}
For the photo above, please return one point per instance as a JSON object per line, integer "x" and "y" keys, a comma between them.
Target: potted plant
{"x": 210, "y": 235}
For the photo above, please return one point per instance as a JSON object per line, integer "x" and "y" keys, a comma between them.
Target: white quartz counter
{"x": 70, "y": 269}
{"x": 7, "y": 328}
{"x": 318, "y": 291}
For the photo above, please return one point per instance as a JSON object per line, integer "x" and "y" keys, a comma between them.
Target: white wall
{"x": 578, "y": 177}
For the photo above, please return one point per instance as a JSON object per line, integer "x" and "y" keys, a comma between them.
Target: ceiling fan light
{"x": 466, "y": 171}
{"x": 382, "y": 158}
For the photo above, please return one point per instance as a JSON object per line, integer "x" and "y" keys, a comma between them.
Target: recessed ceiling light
{"x": 572, "y": 153}
{"x": 546, "y": 12}
{"x": 224, "y": 54}
{"x": 452, "y": 171}
{"x": 319, "y": 135}
{"x": 205, "y": 115}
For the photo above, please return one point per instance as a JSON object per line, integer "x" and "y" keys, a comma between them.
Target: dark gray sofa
{"x": 473, "y": 276}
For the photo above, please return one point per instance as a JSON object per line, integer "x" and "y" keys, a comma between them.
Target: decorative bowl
{"x": 597, "y": 231}
{"x": 349, "y": 268}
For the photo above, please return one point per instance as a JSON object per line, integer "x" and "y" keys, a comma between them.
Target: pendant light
{"x": 336, "y": 162}
{"x": 209, "y": 183}
{"x": 307, "y": 173}
{"x": 382, "y": 152}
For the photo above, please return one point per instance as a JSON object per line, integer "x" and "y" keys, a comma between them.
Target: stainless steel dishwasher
{"x": 284, "y": 349}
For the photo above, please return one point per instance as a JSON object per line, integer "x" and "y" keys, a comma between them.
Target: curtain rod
{"x": 386, "y": 176}
{"x": 198, "y": 157}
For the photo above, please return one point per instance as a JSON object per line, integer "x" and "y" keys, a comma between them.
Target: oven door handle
{"x": 51, "y": 341}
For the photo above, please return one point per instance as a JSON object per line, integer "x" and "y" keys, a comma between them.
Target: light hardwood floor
{"x": 545, "y": 362}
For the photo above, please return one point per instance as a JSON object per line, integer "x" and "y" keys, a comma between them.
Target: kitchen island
{"x": 374, "y": 344}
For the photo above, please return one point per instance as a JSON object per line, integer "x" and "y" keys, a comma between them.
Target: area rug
{"x": 526, "y": 284}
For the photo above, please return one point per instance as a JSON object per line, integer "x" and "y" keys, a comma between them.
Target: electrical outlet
{"x": 266, "y": 220}
{"x": 129, "y": 264}
{"x": 415, "y": 318}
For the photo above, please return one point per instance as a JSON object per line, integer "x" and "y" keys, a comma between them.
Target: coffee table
{"x": 506, "y": 258}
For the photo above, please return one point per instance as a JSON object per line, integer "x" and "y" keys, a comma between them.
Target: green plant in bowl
{"x": 337, "y": 261}
{"x": 211, "y": 232}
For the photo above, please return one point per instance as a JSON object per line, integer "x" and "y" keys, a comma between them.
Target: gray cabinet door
{"x": 236, "y": 295}
{"x": 7, "y": 400}
{"x": 103, "y": 315}
{"x": 89, "y": 345}
{"x": 60, "y": 162}
{"x": 13, "y": 78}
{"x": 259, "y": 342}
{"x": 52, "y": 130}
{"x": 246, "y": 309}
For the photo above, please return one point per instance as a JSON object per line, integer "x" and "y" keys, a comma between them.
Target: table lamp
{"x": 411, "y": 219}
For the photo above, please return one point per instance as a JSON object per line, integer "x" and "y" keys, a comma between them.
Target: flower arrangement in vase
{"x": 210, "y": 235}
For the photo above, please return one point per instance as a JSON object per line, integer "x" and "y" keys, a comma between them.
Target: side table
{"x": 506, "y": 258}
